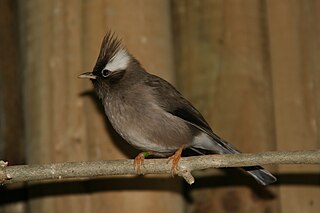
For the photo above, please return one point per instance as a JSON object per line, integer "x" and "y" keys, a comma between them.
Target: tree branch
{"x": 59, "y": 171}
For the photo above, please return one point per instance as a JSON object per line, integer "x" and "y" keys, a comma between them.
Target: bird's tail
{"x": 261, "y": 175}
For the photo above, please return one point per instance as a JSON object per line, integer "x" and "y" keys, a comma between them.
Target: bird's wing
{"x": 174, "y": 103}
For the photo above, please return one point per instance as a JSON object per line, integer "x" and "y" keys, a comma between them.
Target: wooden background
{"x": 251, "y": 67}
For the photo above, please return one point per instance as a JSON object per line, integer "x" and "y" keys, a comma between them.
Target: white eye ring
{"x": 105, "y": 73}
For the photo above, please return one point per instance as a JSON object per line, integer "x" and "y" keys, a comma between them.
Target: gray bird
{"x": 150, "y": 114}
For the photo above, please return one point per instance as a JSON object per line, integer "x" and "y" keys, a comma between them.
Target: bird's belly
{"x": 149, "y": 129}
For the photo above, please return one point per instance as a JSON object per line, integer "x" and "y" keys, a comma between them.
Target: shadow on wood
{"x": 234, "y": 178}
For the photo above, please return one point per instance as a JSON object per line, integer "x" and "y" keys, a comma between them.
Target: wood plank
{"x": 144, "y": 27}
{"x": 60, "y": 42}
{"x": 12, "y": 146}
{"x": 224, "y": 69}
{"x": 294, "y": 57}
{"x": 53, "y": 107}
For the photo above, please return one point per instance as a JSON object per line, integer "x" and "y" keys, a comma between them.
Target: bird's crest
{"x": 113, "y": 56}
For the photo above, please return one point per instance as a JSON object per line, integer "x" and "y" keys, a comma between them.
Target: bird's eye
{"x": 105, "y": 73}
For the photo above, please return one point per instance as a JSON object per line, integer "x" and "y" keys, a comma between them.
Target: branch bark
{"x": 76, "y": 170}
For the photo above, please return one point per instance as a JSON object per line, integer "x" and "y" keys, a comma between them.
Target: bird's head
{"x": 112, "y": 63}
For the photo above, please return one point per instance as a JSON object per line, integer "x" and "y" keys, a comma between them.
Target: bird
{"x": 150, "y": 113}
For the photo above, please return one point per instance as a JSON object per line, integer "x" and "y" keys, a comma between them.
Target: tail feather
{"x": 261, "y": 175}
{"x": 218, "y": 145}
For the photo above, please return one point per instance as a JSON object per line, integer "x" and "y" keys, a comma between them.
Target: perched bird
{"x": 150, "y": 114}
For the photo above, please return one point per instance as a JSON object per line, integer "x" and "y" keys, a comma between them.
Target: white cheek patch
{"x": 119, "y": 61}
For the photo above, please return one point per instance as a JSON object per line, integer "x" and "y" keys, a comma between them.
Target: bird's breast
{"x": 145, "y": 125}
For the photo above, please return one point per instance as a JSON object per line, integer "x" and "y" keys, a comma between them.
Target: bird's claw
{"x": 175, "y": 159}
{"x": 138, "y": 161}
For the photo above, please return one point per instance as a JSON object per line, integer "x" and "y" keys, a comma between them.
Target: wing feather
{"x": 174, "y": 103}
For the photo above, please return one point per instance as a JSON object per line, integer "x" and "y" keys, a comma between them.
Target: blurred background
{"x": 251, "y": 67}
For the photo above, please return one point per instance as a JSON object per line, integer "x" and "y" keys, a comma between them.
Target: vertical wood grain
{"x": 224, "y": 68}
{"x": 251, "y": 68}
{"x": 10, "y": 87}
{"x": 11, "y": 111}
{"x": 65, "y": 120}
{"x": 294, "y": 42}
{"x": 144, "y": 27}
{"x": 55, "y": 126}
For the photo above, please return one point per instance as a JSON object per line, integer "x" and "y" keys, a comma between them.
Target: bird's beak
{"x": 89, "y": 75}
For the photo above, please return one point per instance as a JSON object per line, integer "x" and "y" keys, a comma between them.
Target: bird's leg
{"x": 175, "y": 159}
{"x": 139, "y": 160}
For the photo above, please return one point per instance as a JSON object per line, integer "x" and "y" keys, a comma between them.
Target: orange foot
{"x": 139, "y": 160}
{"x": 175, "y": 159}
